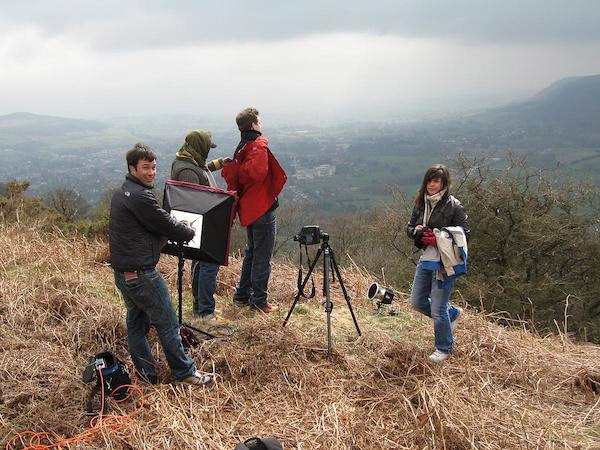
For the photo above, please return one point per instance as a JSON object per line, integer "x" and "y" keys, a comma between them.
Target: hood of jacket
{"x": 196, "y": 146}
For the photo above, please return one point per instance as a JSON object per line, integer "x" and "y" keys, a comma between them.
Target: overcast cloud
{"x": 374, "y": 59}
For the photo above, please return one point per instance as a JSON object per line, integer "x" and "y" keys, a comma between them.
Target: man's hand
{"x": 191, "y": 231}
{"x": 217, "y": 164}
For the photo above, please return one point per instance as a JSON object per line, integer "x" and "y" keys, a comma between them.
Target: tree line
{"x": 534, "y": 246}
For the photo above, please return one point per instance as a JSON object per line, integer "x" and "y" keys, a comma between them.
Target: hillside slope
{"x": 502, "y": 389}
{"x": 567, "y": 104}
{"x": 30, "y": 126}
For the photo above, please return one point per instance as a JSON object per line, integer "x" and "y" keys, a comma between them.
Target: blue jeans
{"x": 148, "y": 301}
{"x": 256, "y": 267}
{"x": 204, "y": 285}
{"x": 431, "y": 297}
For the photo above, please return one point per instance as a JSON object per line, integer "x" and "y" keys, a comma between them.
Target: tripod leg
{"x": 346, "y": 295}
{"x": 180, "y": 267}
{"x": 301, "y": 287}
{"x": 198, "y": 330}
{"x": 328, "y": 302}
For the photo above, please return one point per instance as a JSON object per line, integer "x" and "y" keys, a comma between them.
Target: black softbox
{"x": 210, "y": 211}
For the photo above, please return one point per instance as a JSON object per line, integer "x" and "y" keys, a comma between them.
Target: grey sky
{"x": 372, "y": 58}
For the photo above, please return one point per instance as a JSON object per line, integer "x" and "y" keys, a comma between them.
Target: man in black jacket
{"x": 138, "y": 227}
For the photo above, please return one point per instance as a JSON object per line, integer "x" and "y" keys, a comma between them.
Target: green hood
{"x": 197, "y": 144}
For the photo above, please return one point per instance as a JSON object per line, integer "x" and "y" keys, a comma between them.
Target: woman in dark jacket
{"x": 431, "y": 291}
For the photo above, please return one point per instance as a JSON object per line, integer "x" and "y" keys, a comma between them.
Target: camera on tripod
{"x": 311, "y": 235}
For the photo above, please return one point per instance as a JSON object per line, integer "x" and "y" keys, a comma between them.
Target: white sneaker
{"x": 439, "y": 356}
{"x": 198, "y": 379}
{"x": 456, "y": 319}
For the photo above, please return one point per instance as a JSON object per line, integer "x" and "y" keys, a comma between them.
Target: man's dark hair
{"x": 246, "y": 118}
{"x": 139, "y": 151}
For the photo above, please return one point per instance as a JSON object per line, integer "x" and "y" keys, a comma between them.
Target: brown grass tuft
{"x": 503, "y": 388}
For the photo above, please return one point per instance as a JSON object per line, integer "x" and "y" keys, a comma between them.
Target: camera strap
{"x": 300, "y": 278}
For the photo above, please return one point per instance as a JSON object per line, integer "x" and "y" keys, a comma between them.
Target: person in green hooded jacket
{"x": 190, "y": 165}
{"x": 190, "y": 161}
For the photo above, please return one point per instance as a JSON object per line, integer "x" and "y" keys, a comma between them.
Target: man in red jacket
{"x": 258, "y": 178}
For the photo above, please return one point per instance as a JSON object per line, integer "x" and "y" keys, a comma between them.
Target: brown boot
{"x": 267, "y": 308}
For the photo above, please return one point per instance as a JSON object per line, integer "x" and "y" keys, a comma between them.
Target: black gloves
{"x": 418, "y": 235}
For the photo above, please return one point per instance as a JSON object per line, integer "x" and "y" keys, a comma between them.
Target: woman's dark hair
{"x": 436, "y": 171}
{"x": 139, "y": 151}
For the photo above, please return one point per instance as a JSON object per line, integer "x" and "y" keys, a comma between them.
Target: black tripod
{"x": 329, "y": 263}
{"x": 185, "y": 330}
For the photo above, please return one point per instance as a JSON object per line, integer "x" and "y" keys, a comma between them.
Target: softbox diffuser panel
{"x": 210, "y": 211}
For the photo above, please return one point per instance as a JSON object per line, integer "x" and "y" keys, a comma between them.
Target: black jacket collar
{"x": 246, "y": 136}
{"x": 137, "y": 181}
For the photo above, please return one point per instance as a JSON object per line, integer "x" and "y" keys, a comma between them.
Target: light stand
{"x": 185, "y": 330}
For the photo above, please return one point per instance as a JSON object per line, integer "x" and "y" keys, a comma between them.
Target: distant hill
{"x": 570, "y": 103}
{"x": 28, "y": 124}
{"x": 559, "y": 126}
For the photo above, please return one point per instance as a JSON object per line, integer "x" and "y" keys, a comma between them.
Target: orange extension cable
{"x": 97, "y": 424}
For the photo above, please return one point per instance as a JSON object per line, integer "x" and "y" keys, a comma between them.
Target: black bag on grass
{"x": 255, "y": 443}
{"x": 110, "y": 373}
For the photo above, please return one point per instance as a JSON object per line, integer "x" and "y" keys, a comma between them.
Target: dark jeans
{"x": 256, "y": 267}
{"x": 148, "y": 301}
{"x": 204, "y": 285}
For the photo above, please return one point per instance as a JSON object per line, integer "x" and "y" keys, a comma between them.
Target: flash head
{"x": 384, "y": 295}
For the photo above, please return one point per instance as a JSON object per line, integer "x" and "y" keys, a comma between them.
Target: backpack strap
{"x": 96, "y": 390}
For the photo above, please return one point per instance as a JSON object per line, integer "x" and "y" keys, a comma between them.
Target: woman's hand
{"x": 429, "y": 238}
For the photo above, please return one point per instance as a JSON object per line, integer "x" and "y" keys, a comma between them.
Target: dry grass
{"x": 502, "y": 389}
